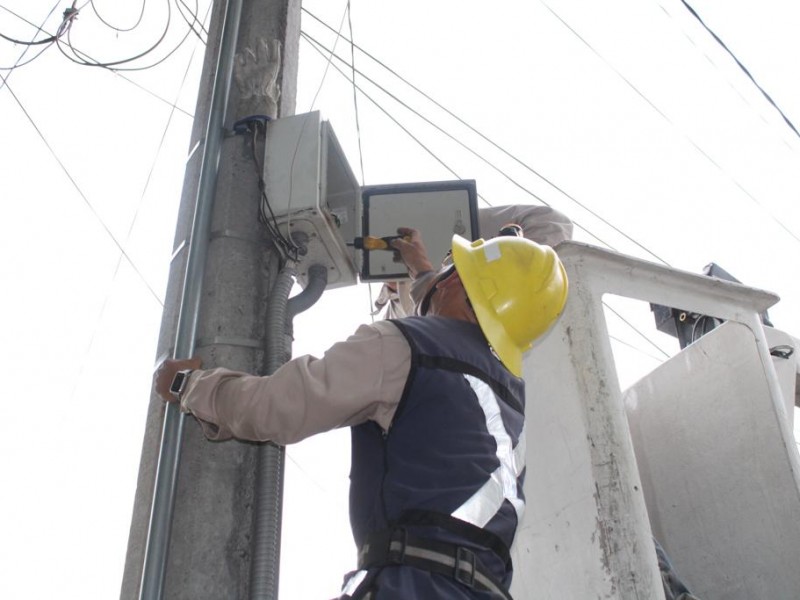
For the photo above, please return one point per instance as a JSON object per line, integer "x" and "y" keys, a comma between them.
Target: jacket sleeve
{"x": 542, "y": 224}
{"x": 356, "y": 380}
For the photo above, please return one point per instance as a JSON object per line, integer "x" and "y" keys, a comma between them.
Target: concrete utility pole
{"x": 208, "y": 538}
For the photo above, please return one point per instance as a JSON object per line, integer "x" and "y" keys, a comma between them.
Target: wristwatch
{"x": 179, "y": 383}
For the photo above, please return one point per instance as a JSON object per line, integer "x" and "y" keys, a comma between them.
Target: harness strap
{"x": 468, "y": 531}
{"x": 393, "y": 547}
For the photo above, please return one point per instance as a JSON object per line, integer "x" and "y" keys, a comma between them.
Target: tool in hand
{"x": 377, "y": 243}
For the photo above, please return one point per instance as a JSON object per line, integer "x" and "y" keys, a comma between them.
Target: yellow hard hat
{"x": 517, "y": 289}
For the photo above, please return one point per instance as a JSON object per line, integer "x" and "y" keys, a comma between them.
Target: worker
{"x": 436, "y": 409}
{"x": 541, "y": 224}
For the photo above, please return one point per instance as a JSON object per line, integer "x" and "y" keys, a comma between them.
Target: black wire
{"x": 463, "y": 145}
{"x": 85, "y": 199}
{"x": 355, "y": 95}
{"x": 153, "y": 94}
{"x": 19, "y": 64}
{"x": 395, "y": 121}
{"x": 195, "y": 16}
{"x": 285, "y": 246}
{"x": 66, "y": 23}
{"x": 152, "y": 65}
{"x": 636, "y": 329}
{"x": 84, "y": 62}
{"x": 775, "y": 219}
{"x": 79, "y": 57}
{"x": 491, "y": 142}
{"x": 195, "y": 19}
{"x": 49, "y": 40}
{"x": 147, "y": 181}
{"x": 329, "y": 59}
{"x": 119, "y": 29}
{"x": 741, "y": 66}
{"x": 138, "y": 207}
{"x": 658, "y": 359}
{"x": 173, "y": 109}
{"x": 39, "y": 29}
{"x": 117, "y": 72}
{"x": 319, "y": 49}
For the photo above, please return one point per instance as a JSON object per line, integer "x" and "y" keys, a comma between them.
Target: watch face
{"x": 178, "y": 382}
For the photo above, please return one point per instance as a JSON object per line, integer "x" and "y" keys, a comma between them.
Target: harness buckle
{"x": 465, "y": 573}
{"x": 398, "y": 542}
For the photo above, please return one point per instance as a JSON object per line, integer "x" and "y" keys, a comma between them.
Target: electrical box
{"x": 437, "y": 209}
{"x": 313, "y": 194}
{"x": 317, "y": 203}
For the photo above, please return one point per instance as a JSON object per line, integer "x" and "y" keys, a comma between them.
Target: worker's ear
{"x": 450, "y": 279}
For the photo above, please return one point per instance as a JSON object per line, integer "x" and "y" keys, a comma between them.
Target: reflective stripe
{"x": 502, "y": 484}
{"x": 353, "y": 582}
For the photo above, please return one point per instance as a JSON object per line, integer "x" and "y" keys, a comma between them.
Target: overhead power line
{"x": 83, "y": 196}
{"x": 18, "y": 62}
{"x": 116, "y": 72}
{"x": 650, "y": 103}
{"x": 66, "y": 23}
{"x": 491, "y": 142}
{"x": 386, "y": 112}
{"x": 63, "y": 37}
{"x": 463, "y": 144}
{"x": 81, "y": 59}
{"x": 355, "y": 94}
{"x": 195, "y": 20}
{"x": 133, "y": 221}
{"x": 329, "y": 54}
{"x": 114, "y": 27}
{"x": 741, "y": 66}
{"x": 329, "y": 58}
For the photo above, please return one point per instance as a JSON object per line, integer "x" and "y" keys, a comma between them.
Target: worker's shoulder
{"x": 381, "y": 338}
{"x": 385, "y": 329}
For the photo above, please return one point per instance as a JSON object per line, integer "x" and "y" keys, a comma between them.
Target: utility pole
{"x": 195, "y": 540}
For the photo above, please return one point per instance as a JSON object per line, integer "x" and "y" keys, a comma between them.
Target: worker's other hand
{"x": 412, "y": 251}
{"x": 165, "y": 373}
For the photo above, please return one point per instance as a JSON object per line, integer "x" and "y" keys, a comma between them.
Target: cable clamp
{"x": 244, "y": 125}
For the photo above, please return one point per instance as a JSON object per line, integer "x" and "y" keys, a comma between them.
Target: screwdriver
{"x": 377, "y": 243}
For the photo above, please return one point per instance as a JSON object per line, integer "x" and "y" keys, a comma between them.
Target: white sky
{"x": 628, "y": 106}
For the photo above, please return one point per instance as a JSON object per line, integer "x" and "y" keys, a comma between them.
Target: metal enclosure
{"x": 437, "y": 209}
{"x": 316, "y": 200}
{"x": 313, "y": 193}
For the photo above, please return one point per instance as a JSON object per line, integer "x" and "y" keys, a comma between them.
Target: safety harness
{"x": 396, "y": 547}
{"x": 470, "y": 515}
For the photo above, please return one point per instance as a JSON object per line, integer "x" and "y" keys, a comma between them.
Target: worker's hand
{"x": 165, "y": 373}
{"x": 413, "y": 251}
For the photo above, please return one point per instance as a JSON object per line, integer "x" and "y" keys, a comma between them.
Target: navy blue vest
{"x": 456, "y": 444}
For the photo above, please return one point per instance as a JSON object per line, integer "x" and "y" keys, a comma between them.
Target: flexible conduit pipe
{"x": 164, "y": 492}
{"x": 264, "y": 568}
{"x": 264, "y": 572}
{"x": 317, "y": 281}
